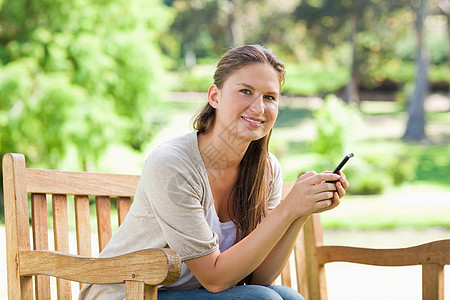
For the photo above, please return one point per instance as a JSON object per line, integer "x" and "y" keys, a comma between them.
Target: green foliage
{"x": 437, "y": 45}
{"x": 335, "y": 123}
{"x": 404, "y": 72}
{"x": 369, "y": 184}
{"x": 439, "y": 73}
{"x": 79, "y": 74}
{"x": 434, "y": 164}
{"x": 314, "y": 78}
{"x": 374, "y": 173}
{"x": 189, "y": 81}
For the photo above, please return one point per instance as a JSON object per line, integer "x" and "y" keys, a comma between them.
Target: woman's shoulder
{"x": 177, "y": 155}
{"x": 180, "y": 147}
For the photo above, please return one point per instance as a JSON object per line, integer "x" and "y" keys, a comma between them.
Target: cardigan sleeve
{"x": 175, "y": 191}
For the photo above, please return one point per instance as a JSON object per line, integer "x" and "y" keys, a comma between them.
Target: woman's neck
{"x": 221, "y": 154}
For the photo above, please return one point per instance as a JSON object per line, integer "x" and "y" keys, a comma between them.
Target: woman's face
{"x": 247, "y": 104}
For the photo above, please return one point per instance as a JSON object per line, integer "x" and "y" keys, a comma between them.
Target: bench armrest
{"x": 437, "y": 252}
{"x": 151, "y": 266}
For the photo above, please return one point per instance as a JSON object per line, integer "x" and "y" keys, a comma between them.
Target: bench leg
{"x": 432, "y": 282}
{"x": 139, "y": 290}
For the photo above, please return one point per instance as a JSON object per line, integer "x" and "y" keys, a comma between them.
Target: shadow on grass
{"x": 291, "y": 117}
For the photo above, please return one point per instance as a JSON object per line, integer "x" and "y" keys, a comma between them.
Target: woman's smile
{"x": 254, "y": 122}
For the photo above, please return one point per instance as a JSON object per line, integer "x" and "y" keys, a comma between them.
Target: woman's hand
{"x": 315, "y": 193}
{"x": 341, "y": 185}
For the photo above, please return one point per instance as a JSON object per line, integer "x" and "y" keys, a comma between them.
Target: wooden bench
{"x": 27, "y": 193}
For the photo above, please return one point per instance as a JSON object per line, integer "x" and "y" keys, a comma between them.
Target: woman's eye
{"x": 245, "y": 91}
{"x": 268, "y": 97}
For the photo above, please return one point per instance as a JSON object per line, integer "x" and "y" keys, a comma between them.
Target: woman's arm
{"x": 220, "y": 271}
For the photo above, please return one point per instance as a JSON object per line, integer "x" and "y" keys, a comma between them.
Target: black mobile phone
{"x": 343, "y": 162}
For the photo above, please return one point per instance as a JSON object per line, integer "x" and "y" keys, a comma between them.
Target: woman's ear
{"x": 213, "y": 95}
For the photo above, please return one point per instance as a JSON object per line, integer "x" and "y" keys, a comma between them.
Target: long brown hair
{"x": 249, "y": 197}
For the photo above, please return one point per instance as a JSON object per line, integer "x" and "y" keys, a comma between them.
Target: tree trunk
{"x": 415, "y": 128}
{"x": 351, "y": 92}
{"x": 235, "y": 24}
{"x": 190, "y": 58}
{"x": 445, "y": 7}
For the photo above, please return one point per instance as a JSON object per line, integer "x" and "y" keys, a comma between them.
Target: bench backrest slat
{"x": 83, "y": 225}
{"x": 103, "y": 209}
{"x": 40, "y": 240}
{"x": 61, "y": 238}
{"x": 123, "y": 206}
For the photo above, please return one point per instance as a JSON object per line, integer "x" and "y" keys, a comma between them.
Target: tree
{"x": 334, "y": 23}
{"x": 79, "y": 75}
{"x": 444, "y": 5}
{"x": 208, "y": 27}
{"x": 415, "y": 127}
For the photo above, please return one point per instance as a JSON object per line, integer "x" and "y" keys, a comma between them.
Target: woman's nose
{"x": 257, "y": 105}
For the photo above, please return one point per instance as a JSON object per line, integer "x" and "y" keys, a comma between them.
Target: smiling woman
{"x": 213, "y": 195}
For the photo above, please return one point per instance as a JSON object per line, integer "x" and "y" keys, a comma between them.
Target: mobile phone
{"x": 343, "y": 162}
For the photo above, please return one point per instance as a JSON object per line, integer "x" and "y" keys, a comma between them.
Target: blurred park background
{"x": 96, "y": 85}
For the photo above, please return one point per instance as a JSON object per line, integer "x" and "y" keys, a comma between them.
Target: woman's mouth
{"x": 253, "y": 121}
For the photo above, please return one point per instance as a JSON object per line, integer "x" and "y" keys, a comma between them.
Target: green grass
{"x": 414, "y": 206}
{"x": 289, "y": 117}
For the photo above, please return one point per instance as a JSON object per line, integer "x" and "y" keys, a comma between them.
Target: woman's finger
{"x": 328, "y": 186}
{"x": 343, "y": 180}
{"x": 305, "y": 175}
{"x": 340, "y": 189}
{"x": 336, "y": 201}
{"x": 324, "y": 195}
{"x": 322, "y": 205}
{"x": 324, "y": 176}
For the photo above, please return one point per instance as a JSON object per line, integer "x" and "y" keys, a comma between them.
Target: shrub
{"x": 335, "y": 123}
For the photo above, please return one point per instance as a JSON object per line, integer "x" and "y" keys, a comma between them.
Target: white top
{"x": 226, "y": 231}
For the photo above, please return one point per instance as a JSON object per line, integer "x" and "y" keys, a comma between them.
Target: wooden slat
{"x": 103, "y": 209}
{"x": 40, "y": 240}
{"x": 300, "y": 267}
{"x": 61, "y": 237}
{"x": 151, "y": 292}
{"x": 16, "y": 224}
{"x": 437, "y": 252}
{"x": 138, "y": 290}
{"x": 123, "y": 206}
{"x": 83, "y": 225}
{"x": 152, "y": 266}
{"x": 286, "y": 272}
{"x": 317, "y": 286}
{"x": 286, "y": 275}
{"x": 134, "y": 289}
{"x": 432, "y": 282}
{"x": 287, "y": 186}
{"x": 80, "y": 183}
